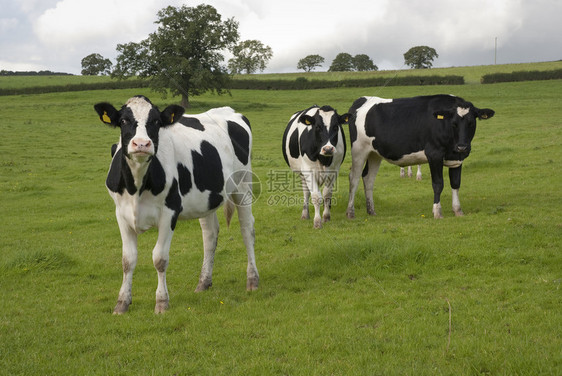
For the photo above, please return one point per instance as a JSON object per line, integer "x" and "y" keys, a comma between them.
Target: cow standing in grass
{"x": 314, "y": 147}
{"x": 168, "y": 167}
{"x": 434, "y": 129}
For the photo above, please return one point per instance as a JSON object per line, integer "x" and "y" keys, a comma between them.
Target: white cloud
{"x": 72, "y": 22}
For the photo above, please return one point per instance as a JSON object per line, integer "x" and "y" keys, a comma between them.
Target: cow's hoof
{"x": 161, "y": 307}
{"x": 317, "y": 223}
{"x": 437, "y": 212}
{"x": 121, "y": 308}
{"x": 459, "y": 213}
{"x": 326, "y": 217}
{"x": 350, "y": 214}
{"x": 305, "y": 215}
{"x": 204, "y": 285}
{"x": 370, "y": 208}
{"x": 252, "y": 284}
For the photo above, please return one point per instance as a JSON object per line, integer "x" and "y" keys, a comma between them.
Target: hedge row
{"x": 522, "y": 76}
{"x": 302, "y": 83}
{"x": 110, "y": 85}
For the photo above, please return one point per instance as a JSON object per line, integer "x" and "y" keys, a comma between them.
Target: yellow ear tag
{"x": 172, "y": 118}
{"x": 105, "y": 118}
{"x": 484, "y": 116}
{"x": 440, "y": 117}
{"x": 307, "y": 122}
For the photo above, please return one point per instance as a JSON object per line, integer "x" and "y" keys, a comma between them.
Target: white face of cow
{"x": 140, "y": 122}
{"x": 140, "y": 146}
{"x": 325, "y": 125}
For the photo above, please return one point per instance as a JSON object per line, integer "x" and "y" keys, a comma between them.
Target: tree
{"x": 249, "y": 56}
{"x": 95, "y": 64}
{"x": 342, "y": 63}
{"x": 420, "y": 57}
{"x": 310, "y": 62}
{"x": 184, "y": 55}
{"x": 364, "y": 63}
{"x": 131, "y": 59}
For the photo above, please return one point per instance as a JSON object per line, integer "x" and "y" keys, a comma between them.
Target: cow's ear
{"x": 443, "y": 114}
{"x": 171, "y": 114}
{"x": 484, "y": 113}
{"x": 306, "y": 119}
{"x": 344, "y": 119}
{"x": 107, "y": 113}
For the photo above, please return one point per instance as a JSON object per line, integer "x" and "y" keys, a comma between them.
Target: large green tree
{"x": 95, "y": 64}
{"x": 184, "y": 55}
{"x": 249, "y": 56}
{"x": 363, "y": 62}
{"x": 310, "y": 62}
{"x": 342, "y": 63}
{"x": 420, "y": 57}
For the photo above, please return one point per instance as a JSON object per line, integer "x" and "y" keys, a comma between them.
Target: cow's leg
{"x": 129, "y": 261}
{"x": 160, "y": 259}
{"x": 329, "y": 182}
{"x": 357, "y": 162}
{"x": 419, "y": 174}
{"x": 402, "y": 172}
{"x": 306, "y": 192}
{"x": 310, "y": 180}
{"x": 249, "y": 235}
{"x": 210, "y": 230}
{"x": 369, "y": 176}
{"x": 409, "y": 171}
{"x": 455, "y": 179}
{"x": 436, "y": 169}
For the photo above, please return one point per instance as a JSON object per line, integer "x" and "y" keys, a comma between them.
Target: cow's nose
{"x": 328, "y": 150}
{"x": 141, "y": 143}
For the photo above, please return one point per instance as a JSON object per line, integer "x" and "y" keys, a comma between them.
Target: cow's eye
{"x": 124, "y": 122}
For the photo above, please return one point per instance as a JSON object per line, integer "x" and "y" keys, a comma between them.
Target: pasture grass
{"x": 395, "y": 294}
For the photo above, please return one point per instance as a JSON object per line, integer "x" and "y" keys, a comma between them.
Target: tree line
{"x": 184, "y": 56}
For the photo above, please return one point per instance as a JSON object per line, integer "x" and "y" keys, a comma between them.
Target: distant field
{"x": 471, "y": 74}
{"x": 9, "y": 82}
{"x": 395, "y": 294}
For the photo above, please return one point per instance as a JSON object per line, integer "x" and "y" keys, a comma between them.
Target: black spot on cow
{"x": 207, "y": 168}
{"x": 192, "y": 123}
{"x": 113, "y": 149}
{"x": 173, "y": 202}
{"x": 294, "y": 144}
{"x": 246, "y": 121}
{"x": 184, "y": 177}
{"x": 240, "y": 141}
{"x": 120, "y": 177}
{"x": 155, "y": 178}
{"x": 215, "y": 200}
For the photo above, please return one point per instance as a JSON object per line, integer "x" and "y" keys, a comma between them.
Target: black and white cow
{"x": 168, "y": 167}
{"x": 434, "y": 129}
{"x": 314, "y": 147}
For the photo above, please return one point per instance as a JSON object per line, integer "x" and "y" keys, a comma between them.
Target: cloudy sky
{"x": 56, "y": 34}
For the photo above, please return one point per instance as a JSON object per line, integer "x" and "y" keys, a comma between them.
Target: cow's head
{"x": 324, "y": 127}
{"x": 462, "y": 122}
{"x": 140, "y": 122}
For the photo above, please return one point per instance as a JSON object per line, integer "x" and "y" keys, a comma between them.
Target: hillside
{"x": 471, "y": 74}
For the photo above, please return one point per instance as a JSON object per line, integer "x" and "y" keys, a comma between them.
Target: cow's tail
{"x": 229, "y": 208}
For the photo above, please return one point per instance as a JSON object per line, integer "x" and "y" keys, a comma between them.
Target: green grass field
{"x": 395, "y": 294}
